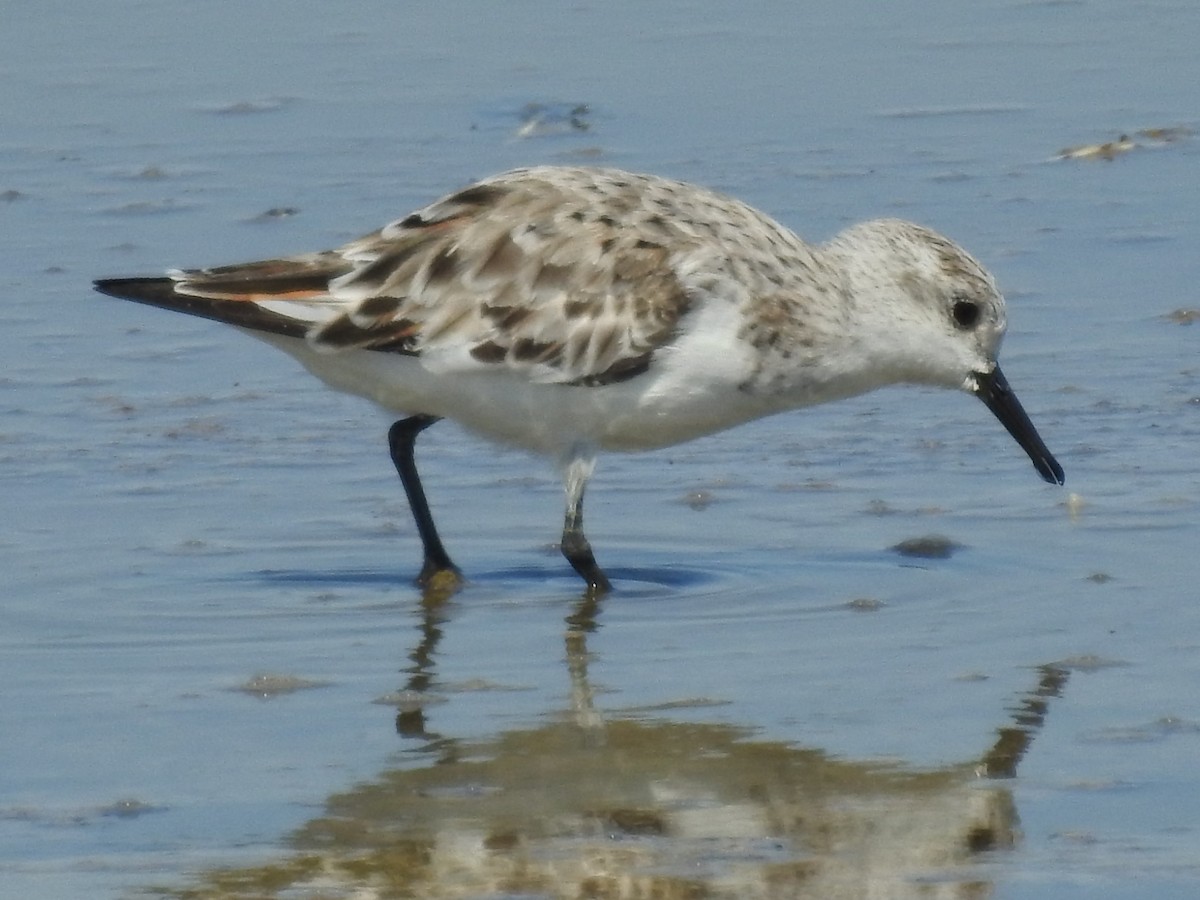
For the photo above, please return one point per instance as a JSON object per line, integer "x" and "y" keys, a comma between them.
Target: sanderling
{"x": 573, "y": 310}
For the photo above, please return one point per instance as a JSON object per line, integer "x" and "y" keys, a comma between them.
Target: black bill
{"x": 992, "y": 388}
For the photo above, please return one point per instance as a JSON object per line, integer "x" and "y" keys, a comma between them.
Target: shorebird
{"x": 575, "y": 310}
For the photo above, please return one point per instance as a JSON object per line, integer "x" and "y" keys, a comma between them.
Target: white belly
{"x": 667, "y": 405}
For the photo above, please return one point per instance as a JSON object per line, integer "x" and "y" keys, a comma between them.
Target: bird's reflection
{"x": 1028, "y": 716}
{"x": 616, "y": 806}
{"x": 580, "y": 624}
{"x": 410, "y": 717}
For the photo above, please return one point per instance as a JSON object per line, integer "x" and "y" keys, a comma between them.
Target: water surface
{"x": 218, "y": 676}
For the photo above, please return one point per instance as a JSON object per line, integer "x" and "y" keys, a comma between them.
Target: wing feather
{"x": 522, "y": 274}
{"x": 563, "y": 275}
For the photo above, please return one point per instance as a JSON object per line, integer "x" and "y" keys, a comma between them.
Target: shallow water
{"x": 217, "y": 676}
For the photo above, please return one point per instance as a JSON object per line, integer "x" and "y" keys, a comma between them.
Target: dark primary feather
{"x": 161, "y": 292}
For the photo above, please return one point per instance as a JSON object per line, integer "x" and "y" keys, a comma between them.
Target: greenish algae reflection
{"x": 598, "y": 807}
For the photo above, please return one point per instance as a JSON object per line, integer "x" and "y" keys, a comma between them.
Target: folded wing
{"x": 560, "y": 283}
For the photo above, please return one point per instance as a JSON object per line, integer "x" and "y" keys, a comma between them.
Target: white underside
{"x": 692, "y": 389}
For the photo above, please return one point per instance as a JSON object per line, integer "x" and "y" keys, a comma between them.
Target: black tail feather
{"x": 161, "y": 292}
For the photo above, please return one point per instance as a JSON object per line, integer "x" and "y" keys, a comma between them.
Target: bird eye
{"x": 966, "y": 313}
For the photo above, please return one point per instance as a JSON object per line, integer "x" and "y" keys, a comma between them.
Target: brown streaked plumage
{"x": 572, "y": 310}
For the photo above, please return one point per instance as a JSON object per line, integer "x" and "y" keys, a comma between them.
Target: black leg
{"x": 402, "y": 436}
{"x": 575, "y": 546}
